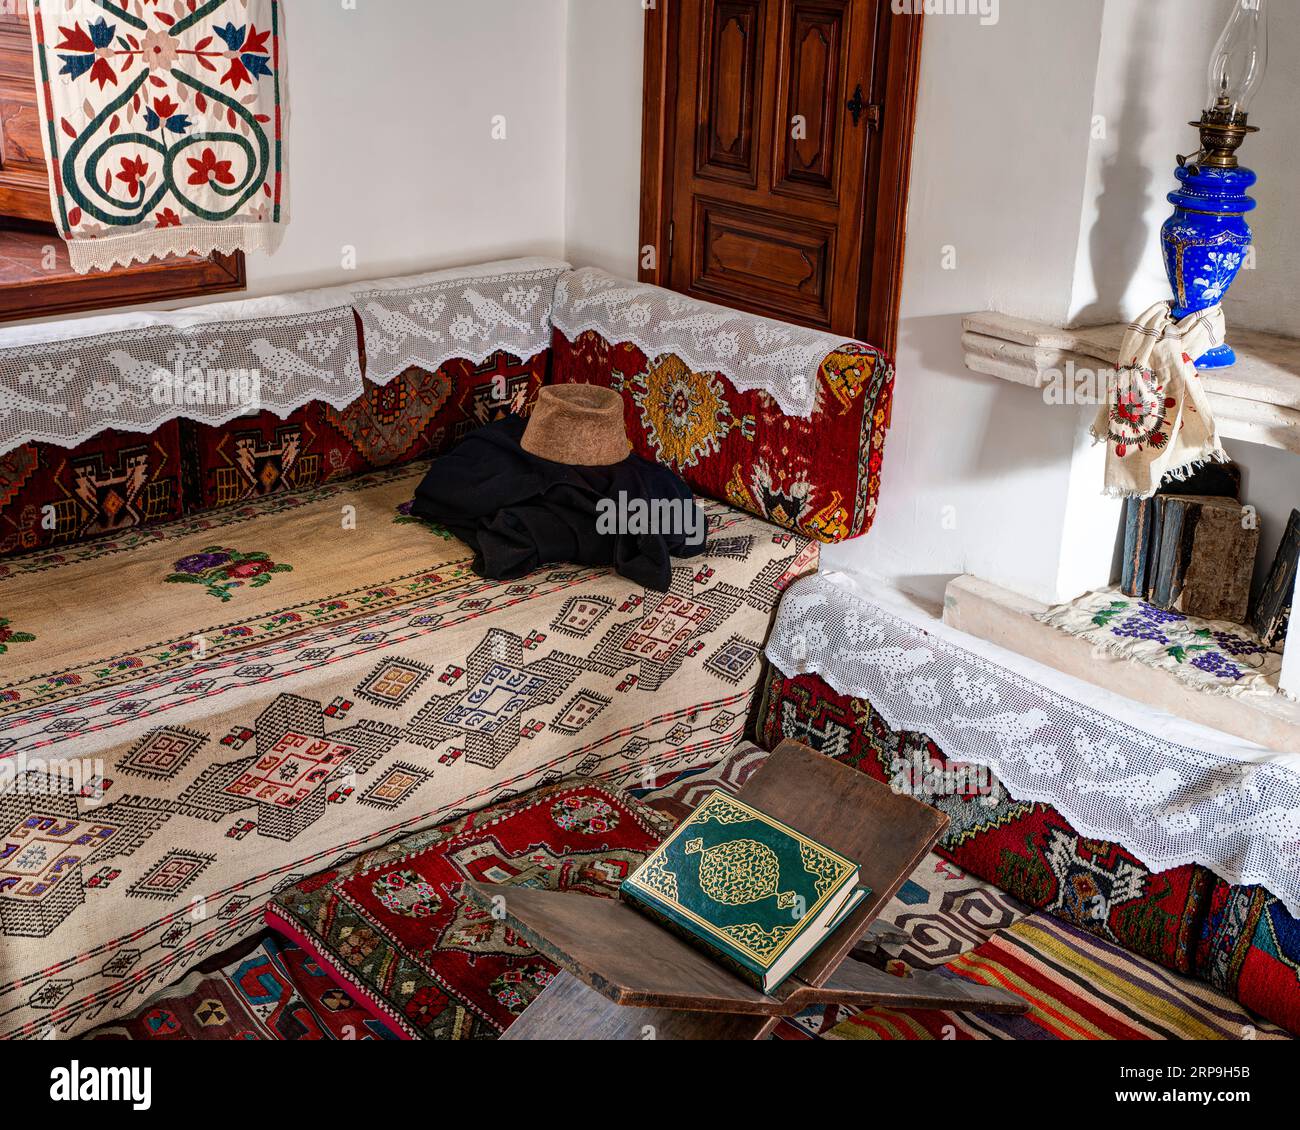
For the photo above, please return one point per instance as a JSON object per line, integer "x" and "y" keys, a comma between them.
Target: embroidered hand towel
{"x": 163, "y": 126}
{"x": 1157, "y": 419}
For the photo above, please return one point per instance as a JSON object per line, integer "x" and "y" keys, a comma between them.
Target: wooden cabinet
{"x": 24, "y": 186}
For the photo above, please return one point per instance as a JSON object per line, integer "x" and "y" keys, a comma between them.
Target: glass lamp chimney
{"x": 1239, "y": 60}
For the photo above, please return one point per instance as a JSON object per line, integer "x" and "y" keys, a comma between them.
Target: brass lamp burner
{"x": 1222, "y": 132}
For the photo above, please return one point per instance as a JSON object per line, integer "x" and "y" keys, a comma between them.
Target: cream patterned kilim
{"x": 243, "y": 699}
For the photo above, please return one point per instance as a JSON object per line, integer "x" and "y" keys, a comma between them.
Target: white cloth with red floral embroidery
{"x": 1157, "y": 420}
{"x": 164, "y": 126}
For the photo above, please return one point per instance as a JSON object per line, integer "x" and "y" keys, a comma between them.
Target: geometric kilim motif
{"x": 262, "y": 989}
{"x": 395, "y": 787}
{"x": 734, "y": 659}
{"x": 393, "y": 682}
{"x": 288, "y": 782}
{"x": 394, "y": 926}
{"x": 171, "y": 875}
{"x": 162, "y": 754}
{"x": 580, "y": 711}
{"x": 393, "y": 689}
{"x": 41, "y": 862}
{"x": 579, "y": 616}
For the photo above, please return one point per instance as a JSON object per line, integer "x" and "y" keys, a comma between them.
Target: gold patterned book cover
{"x": 756, "y": 894}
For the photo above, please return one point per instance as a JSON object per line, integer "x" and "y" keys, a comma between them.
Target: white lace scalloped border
{"x": 143, "y": 246}
{"x": 429, "y": 320}
{"x": 213, "y": 418}
{"x": 751, "y": 352}
{"x": 432, "y": 362}
{"x": 346, "y": 387}
{"x": 1280, "y": 876}
{"x": 804, "y": 408}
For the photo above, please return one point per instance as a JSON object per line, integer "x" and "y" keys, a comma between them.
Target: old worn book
{"x": 1139, "y": 515}
{"x": 1204, "y": 560}
{"x": 752, "y": 892}
{"x": 1141, "y": 532}
{"x": 1273, "y": 605}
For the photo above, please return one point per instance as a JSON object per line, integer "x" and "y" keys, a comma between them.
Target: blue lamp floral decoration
{"x": 1206, "y": 239}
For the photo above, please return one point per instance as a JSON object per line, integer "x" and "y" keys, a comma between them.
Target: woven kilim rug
{"x": 391, "y": 930}
{"x": 265, "y": 989}
{"x": 1079, "y": 987}
{"x": 393, "y": 927}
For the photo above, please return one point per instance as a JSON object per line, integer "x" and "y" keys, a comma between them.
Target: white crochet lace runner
{"x": 752, "y": 353}
{"x": 64, "y": 384}
{"x": 1167, "y": 790}
{"x": 427, "y": 320}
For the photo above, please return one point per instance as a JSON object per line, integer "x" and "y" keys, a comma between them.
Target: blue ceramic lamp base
{"x": 1220, "y": 357}
{"x": 1205, "y": 243}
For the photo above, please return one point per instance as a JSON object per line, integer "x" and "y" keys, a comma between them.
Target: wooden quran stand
{"x": 624, "y": 977}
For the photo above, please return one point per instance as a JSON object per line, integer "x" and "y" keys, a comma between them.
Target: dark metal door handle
{"x": 858, "y": 106}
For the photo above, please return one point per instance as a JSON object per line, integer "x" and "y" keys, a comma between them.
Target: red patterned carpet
{"x": 390, "y": 931}
{"x": 265, "y": 989}
{"x": 394, "y": 927}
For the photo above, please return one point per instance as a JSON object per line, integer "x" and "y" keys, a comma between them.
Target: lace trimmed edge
{"x": 189, "y": 239}
{"x": 1029, "y": 795}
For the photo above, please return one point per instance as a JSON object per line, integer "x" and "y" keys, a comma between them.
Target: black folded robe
{"x": 518, "y": 512}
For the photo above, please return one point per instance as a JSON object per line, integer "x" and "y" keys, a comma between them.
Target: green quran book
{"x": 752, "y": 892}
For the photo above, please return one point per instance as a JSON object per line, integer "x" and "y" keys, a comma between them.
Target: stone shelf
{"x": 1002, "y": 617}
{"x": 1257, "y": 400}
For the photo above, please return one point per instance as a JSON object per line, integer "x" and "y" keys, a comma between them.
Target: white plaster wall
{"x": 391, "y": 148}
{"x": 978, "y": 472}
{"x": 981, "y": 476}
{"x": 603, "y": 175}
{"x": 1145, "y": 99}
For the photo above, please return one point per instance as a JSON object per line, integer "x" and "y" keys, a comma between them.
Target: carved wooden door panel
{"x": 770, "y": 132}
{"x": 777, "y": 140}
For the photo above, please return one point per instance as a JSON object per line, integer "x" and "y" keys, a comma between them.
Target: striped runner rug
{"x": 1079, "y": 987}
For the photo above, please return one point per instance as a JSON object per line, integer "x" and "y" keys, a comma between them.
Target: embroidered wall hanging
{"x": 752, "y": 353}
{"x": 164, "y": 126}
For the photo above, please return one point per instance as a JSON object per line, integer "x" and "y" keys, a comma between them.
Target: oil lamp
{"x": 1205, "y": 240}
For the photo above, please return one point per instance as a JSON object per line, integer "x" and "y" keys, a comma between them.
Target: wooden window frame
{"x": 36, "y": 278}
{"x": 895, "y": 87}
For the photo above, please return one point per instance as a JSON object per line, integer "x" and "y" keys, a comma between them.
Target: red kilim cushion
{"x": 819, "y": 476}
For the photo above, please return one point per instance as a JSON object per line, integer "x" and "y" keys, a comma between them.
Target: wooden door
{"x": 766, "y": 164}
